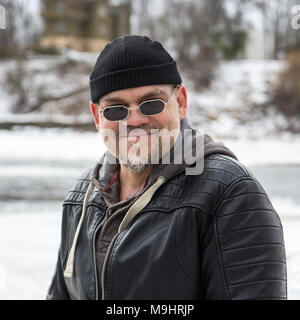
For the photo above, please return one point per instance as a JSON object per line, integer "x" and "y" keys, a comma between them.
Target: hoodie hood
{"x": 188, "y": 153}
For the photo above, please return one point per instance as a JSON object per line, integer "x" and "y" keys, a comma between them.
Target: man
{"x": 149, "y": 223}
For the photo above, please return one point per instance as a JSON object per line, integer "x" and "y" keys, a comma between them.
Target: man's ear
{"x": 182, "y": 101}
{"x": 95, "y": 114}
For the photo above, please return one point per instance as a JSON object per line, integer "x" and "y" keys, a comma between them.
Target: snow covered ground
{"x": 232, "y": 107}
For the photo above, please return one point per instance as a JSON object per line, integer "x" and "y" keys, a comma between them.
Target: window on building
{"x": 102, "y": 11}
{"x": 61, "y": 27}
{"x": 61, "y": 7}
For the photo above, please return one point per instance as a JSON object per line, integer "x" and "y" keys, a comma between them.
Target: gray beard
{"x": 137, "y": 167}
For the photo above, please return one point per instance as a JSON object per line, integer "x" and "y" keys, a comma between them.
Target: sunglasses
{"x": 146, "y": 108}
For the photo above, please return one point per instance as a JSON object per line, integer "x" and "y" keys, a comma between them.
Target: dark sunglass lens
{"x": 115, "y": 113}
{"x": 152, "y": 107}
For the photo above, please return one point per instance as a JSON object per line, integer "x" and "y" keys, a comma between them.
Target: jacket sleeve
{"x": 57, "y": 289}
{"x": 247, "y": 245}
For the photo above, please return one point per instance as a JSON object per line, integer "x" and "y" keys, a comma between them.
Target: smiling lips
{"x": 135, "y": 136}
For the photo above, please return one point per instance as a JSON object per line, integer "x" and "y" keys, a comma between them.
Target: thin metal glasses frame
{"x": 138, "y": 107}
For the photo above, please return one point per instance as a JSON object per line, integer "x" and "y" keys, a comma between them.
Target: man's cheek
{"x": 122, "y": 147}
{"x": 110, "y": 139}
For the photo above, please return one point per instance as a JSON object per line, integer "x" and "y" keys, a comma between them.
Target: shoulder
{"x": 222, "y": 177}
{"x": 219, "y": 172}
{"x": 230, "y": 172}
{"x": 77, "y": 191}
{"x": 241, "y": 190}
{"x": 227, "y": 166}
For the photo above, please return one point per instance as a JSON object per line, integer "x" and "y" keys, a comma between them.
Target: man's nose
{"x": 135, "y": 118}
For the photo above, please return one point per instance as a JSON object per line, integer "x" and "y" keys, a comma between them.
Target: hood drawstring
{"x": 69, "y": 267}
{"x": 138, "y": 205}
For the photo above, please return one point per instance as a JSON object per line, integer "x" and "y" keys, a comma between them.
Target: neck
{"x": 131, "y": 181}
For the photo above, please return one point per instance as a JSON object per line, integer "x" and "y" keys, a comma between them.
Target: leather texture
{"x": 214, "y": 236}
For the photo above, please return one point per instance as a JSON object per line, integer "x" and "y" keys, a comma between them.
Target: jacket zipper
{"x": 112, "y": 242}
{"x": 104, "y": 263}
{"x": 94, "y": 257}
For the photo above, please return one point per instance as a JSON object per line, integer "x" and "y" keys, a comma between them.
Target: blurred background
{"x": 240, "y": 62}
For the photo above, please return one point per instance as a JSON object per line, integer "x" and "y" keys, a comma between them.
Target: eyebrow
{"x": 151, "y": 94}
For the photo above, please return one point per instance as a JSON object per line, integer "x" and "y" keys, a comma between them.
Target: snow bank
{"x": 28, "y": 253}
{"x": 232, "y": 107}
{"x": 50, "y": 144}
{"x": 236, "y": 81}
{"x": 224, "y": 109}
{"x": 266, "y": 151}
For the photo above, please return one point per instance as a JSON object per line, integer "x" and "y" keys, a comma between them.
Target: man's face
{"x": 140, "y": 140}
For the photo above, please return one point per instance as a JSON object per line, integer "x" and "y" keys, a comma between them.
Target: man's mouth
{"x": 134, "y": 135}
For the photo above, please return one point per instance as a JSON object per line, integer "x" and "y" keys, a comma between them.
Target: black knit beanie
{"x": 131, "y": 61}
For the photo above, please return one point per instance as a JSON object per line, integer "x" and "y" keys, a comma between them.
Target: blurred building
{"x": 84, "y": 25}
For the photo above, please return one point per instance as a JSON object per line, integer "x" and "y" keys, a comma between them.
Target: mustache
{"x": 147, "y": 129}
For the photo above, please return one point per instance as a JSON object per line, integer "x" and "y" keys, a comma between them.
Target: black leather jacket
{"x": 212, "y": 236}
